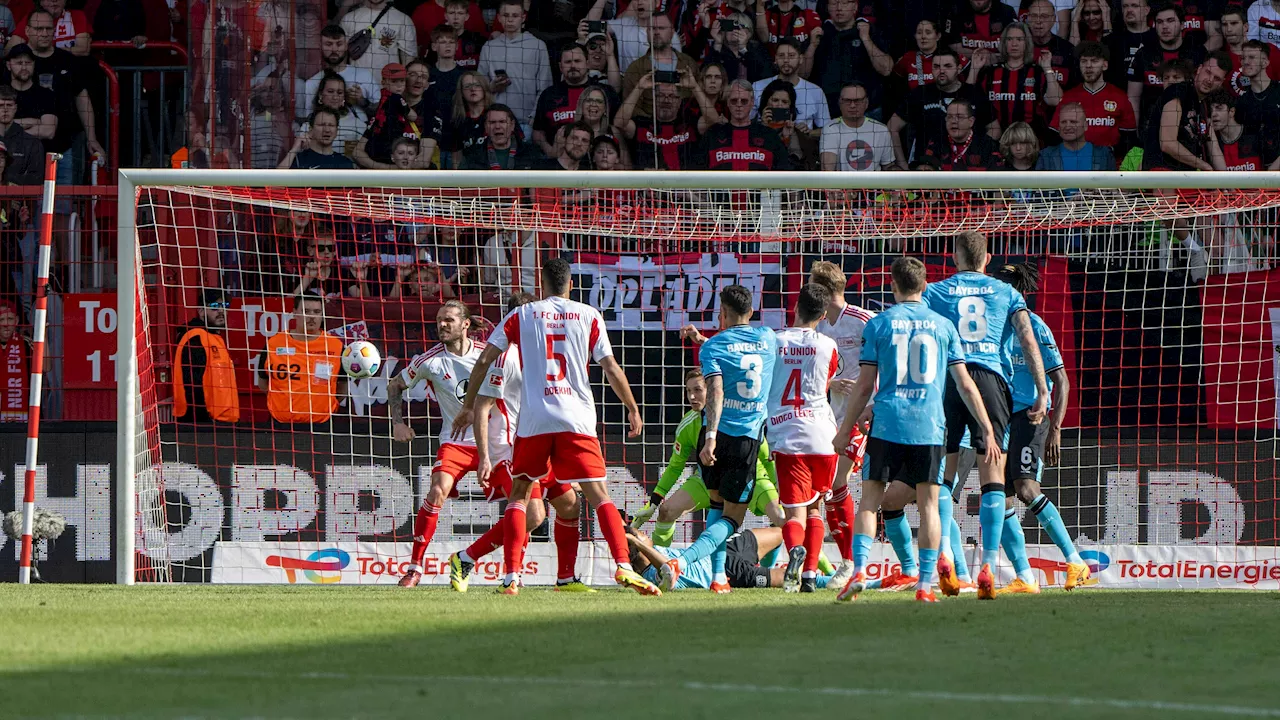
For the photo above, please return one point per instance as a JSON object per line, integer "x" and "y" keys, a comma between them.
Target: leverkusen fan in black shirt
{"x": 926, "y": 111}
{"x": 662, "y": 145}
{"x": 1193, "y": 128}
{"x": 754, "y": 147}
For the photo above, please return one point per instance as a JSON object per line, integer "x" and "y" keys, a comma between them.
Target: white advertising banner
{"x": 1128, "y": 567}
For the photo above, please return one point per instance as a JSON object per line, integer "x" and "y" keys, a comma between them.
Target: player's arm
{"x": 400, "y": 429}
{"x": 973, "y": 400}
{"x": 1170, "y": 121}
{"x": 686, "y": 439}
{"x": 1035, "y": 363}
{"x": 655, "y": 558}
{"x": 712, "y": 410}
{"x": 484, "y": 404}
{"x": 618, "y": 381}
{"x": 1061, "y": 390}
{"x": 856, "y": 403}
{"x": 466, "y": 416}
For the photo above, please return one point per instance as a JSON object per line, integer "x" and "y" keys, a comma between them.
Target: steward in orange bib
{"x": 204, "y": 379}
{"x": 300, "y": 368}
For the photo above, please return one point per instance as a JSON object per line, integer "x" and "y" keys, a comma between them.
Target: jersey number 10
{"x": 917, "y": 354}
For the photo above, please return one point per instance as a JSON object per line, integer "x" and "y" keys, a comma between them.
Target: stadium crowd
{"x": 839, "y": 85}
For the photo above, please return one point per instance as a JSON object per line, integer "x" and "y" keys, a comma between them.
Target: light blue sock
{"x": 861, "y": 551}
{"x": 822, "y": 580}
{"x": 1047, "y": 513}
{"x": 770, "y": 558}
{"x": 991, "y": 515}
{"x": 1015, "y": 546}
{"x": 898, "y": 531}
{"x": 718, "y": 558}
{"x": 928, "y": 568}
{"x": 956, "y": 538}
{"x": 718, "y": 530}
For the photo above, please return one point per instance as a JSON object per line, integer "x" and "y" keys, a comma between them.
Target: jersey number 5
{"x": 750, "y": 364}
{"x": 553, "y": 355}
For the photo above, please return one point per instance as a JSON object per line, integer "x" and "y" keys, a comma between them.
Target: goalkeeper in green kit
{"x": 692, "y": 495}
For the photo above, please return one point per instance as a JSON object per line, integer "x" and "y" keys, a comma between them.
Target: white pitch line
{"x": 849, "y": 692}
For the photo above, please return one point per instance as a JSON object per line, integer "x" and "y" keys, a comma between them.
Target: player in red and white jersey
{"x": 802, "y": 428}
{"x": 843, "y": 323}
{"x": 497, "y": 412}
{"x": 446, "y": 368}
{"x": 556, "y": 431}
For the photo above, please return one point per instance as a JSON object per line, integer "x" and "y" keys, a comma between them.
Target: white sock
{"x": 626, "y": 566}
{"x": 808, "y": 575}
{"x": 1028, "y": 577}
{"x": 509, "y": 578}
{"x": 464, "y": 557}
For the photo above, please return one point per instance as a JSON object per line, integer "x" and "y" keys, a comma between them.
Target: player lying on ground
{"x": 497, "y": 416}
{"x": 912, "y": 350}
{"x": 557, "y": 338}
{"x": 445, "y": 368}
{"x": 742, "y": 561}
{"x": 738, "y": 366}
{"x": 983, "y": 310}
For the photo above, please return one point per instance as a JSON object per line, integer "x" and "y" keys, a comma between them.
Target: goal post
{"x": 1171, "y": 431}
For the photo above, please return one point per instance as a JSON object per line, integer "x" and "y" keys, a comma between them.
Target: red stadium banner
{"x": 1240, "y": 375}
{"x": 89, "y": 338}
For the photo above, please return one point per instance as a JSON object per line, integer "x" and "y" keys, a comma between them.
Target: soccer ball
{"x": 361, "y": 359}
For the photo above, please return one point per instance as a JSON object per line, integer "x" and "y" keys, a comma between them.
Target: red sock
{"x": 610, "y": 523}
{"x": 424, "y": 528}
{"x": 813, "y": 532}
{"x": 514, "y": 538}
{"x": 488, "y": 542}
{"x": 840, "y": 514}
{"x": 793, "y": 533}
{"x": 566, "y": 536}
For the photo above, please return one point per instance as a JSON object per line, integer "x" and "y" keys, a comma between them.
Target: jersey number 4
{"x": 791, "y": 394}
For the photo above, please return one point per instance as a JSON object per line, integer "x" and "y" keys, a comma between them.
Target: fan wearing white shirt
{"x": 855, "y": 142}
{"x": 812, "y": 111}
{"x": 1264, "y": 21}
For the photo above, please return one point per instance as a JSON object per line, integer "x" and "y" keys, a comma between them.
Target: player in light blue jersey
{"x": 738, "y": 366}
{"x": 912, "y": 351}
{"x": 985, "y": 311}
{"x": 1033, "y": 446}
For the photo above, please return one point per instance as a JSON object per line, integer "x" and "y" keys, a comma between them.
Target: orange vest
{"x": 221, "y": 398}
{"x": 302, "y": 377}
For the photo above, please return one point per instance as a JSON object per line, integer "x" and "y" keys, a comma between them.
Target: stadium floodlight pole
{"x": 38, "y": 324}
{"x": 126, "y": 377}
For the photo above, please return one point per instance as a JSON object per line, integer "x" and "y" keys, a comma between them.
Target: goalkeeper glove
{"x": 646, "y": 512}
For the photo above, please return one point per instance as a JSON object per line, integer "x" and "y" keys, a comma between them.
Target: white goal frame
{"x": 132, "y": 180}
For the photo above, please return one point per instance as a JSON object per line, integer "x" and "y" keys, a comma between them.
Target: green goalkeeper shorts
{"x": 763, "y": 494}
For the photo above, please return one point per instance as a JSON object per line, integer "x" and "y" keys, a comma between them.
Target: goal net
{"x": 1160, "y": 297}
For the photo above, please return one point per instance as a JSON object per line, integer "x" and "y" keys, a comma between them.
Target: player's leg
{"x": 864, "y": 529}
{"x": 1014, "y": 542}
{"x": 577, "y": 458}
{"x": 841, "y": 511}
{"x": 995, "y": 397}
{"x": 424, "y": 523}
{"x": 1029, "y": 464}
{"x": 925, "y": 476}
{"x": 688, "y": 497}
{"x": 463, "y": 562}
{"x": 797, "y": 496}
{"x": 566, "y": 532}
{"x": 516, "y": 535}
{"x": 729, "y": 482}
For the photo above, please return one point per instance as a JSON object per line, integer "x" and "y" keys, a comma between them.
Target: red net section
{"x": 1159, "y": 302}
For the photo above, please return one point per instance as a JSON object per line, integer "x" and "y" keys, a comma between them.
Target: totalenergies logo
{"x": 1095, "y": 559}
{"x": 316, "y": 566}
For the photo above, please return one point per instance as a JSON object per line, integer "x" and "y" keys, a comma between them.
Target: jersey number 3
{"x": 749, "y": 389}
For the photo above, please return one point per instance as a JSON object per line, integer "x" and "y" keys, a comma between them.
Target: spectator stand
{"x": 155, "y": 107}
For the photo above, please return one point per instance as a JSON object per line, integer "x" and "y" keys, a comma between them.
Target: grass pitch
{"x": 308, "y": 652}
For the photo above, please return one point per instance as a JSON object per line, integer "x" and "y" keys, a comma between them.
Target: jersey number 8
{"x": 750, "y": 364}
{"x": 973, "y": 319}
{"x": 917, "y": 354}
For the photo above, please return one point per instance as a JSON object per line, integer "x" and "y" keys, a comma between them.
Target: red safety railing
{"x": 113, "y": 88}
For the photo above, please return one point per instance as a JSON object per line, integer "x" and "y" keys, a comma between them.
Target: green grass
{"x": 306, "y": 652}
